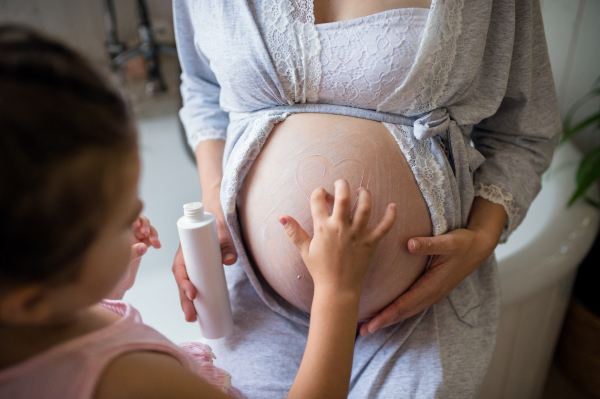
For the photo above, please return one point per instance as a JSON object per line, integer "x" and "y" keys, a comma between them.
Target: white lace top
{"x": 364, "y": 60}
{"x": 464, "y": 68}
{"x": 360, "y": 62}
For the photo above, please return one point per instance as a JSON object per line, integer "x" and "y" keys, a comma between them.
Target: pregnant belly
{"x": 307, "y": 151}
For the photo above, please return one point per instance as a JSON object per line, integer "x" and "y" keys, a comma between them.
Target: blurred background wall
{"x": 572, "y": 29}
{"x": 81, "y": 22}
{"x": 573, "y": 35}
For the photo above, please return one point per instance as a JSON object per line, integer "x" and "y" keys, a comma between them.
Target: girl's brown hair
{"x": 64, "y": 136}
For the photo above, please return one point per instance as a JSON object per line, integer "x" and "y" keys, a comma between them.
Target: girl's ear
{"x": 28, "y": 304}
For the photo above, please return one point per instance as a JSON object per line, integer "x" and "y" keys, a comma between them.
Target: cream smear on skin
{"x": 309, "y": 151}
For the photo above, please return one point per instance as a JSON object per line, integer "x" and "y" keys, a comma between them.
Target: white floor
{"x": 169, "y": 180}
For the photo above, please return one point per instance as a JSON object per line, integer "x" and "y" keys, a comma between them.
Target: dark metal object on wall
{"x": 148, "y": 48}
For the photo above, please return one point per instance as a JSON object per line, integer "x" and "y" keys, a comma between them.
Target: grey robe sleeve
{"x": 518, "y": 141}
{"x": 201, "y": 114}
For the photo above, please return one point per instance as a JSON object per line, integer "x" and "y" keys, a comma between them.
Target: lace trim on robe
{"x": 293, "y": 42}
{"x": 427, "y": 171}
{"x": 210, "y": 133}
{"x": 243, "y": 155}
{"x": 498, "y": 196}
{"x": 425, "y": 84}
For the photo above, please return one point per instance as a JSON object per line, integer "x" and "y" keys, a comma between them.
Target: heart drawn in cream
{"x": 320, "y": 171}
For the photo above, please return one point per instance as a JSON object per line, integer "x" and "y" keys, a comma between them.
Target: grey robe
{"x": 481, "y": 74}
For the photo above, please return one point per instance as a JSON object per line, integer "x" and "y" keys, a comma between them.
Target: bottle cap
{"x": 194, "y": 209}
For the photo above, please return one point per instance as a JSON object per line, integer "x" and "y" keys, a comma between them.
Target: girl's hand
{"x": 342, "y": 248}
{"x": 145, "y": 235}
{"x": 337, "y": 258}
{"x": 187, "y": 291}
{"x": 456, "y": 255}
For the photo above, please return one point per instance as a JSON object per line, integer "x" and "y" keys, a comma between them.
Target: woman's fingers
{"x": 299, "y": 237}
{"x": 341, "y": 203}
{"x": 187, "y": 291}
{"x": 385, "y": 224}
{"x": 455, "y": 256}
{"x": 443, "y": 244}
{"x": 363, "y": 209}
{"x": 228, "y": 252}
{"x": 189, "y": 311}
{"x": 427, "y": 291}
{"x": 407, "y": 305}
{"x": 181, "y": 277}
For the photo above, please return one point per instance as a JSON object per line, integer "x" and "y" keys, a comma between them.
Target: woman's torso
{"x": 363, "y": 61}
{"x": 307, "y": 151}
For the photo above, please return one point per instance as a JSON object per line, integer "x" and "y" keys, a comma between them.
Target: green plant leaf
{"x": 592, "y": 202}
{"x": 569, "y": 131}
{"x": 587, "y": 173}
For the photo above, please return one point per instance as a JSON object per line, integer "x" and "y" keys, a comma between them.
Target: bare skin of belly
{"x": 307, "y": 151}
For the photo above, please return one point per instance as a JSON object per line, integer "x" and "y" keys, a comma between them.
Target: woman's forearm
{"x": 327, "y": 362}
{"x": 209, "y": 158}
{"x": 488, "y": 220}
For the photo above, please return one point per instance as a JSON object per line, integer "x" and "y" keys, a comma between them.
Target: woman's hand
{"x": 145, "y": 235}
{"x": 187, "y": 291}
{"x": 456, "y": 255}
{"x": 342, "y": 248}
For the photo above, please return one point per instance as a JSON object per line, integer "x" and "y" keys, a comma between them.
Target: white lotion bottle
{"x": 202, "y": 255}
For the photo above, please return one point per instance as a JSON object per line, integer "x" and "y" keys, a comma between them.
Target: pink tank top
{"x": 72, "y": 369}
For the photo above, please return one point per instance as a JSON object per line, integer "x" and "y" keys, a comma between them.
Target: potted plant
{"x": 578, "y": 351}
{"x": 589, "y": 168}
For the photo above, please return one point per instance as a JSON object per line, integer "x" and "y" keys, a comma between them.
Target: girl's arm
{"x": 337, "y": 258}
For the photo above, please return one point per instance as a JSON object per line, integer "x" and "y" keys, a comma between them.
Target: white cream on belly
{"x": 307, "y": 151}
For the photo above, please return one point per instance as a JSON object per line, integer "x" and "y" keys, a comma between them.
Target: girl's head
{"x": 68, "y": 180}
